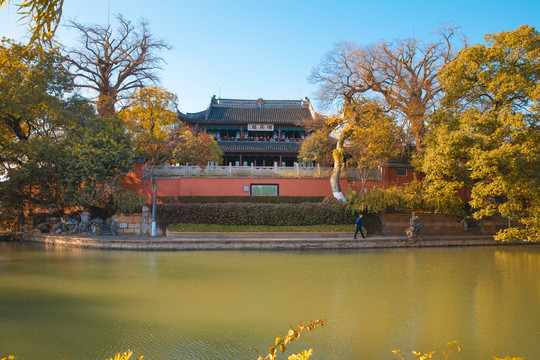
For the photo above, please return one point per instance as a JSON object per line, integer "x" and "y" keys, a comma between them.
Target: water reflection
{"x": 76, "y": 304}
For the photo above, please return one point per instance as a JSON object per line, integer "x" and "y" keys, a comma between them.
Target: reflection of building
{"x": 259, "y": 132}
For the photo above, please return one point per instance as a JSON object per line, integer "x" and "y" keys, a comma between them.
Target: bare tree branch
{"x": 114, "y": 62}
{"x": 403, "y": 72}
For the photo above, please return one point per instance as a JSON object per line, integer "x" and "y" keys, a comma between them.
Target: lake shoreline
{"x": 184, "y": 241}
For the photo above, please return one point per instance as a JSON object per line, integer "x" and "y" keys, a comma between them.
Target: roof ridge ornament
{"x": 260, "y": 103}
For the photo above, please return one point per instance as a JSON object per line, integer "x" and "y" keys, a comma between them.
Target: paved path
{"x": 256, "y": 241}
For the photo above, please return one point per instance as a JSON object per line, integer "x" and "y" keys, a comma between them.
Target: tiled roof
{"x": 259, "y": 111}
{"x": 259, "y": 146}
{"x": 221, "y": 114}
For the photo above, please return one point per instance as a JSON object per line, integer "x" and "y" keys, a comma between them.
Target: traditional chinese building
{"x": 259, "y": 132}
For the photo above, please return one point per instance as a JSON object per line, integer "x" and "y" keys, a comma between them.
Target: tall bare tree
{"x": 402, "y": 73}
{"x": 114, "y": 63}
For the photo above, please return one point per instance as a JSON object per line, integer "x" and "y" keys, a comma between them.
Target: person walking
{"x": 358, "y": 225}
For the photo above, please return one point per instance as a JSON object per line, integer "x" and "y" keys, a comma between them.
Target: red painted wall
{"x": 207, "y": 186}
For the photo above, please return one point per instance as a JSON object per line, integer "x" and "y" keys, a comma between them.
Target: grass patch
{"x": 259, "y": 228}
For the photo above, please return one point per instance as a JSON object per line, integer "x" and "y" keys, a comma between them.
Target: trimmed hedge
{"x": 240, "y": 199}
{"x": 323, "y": 213}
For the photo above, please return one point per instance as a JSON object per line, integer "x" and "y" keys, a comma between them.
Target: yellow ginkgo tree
{"x": 489, "y": 134}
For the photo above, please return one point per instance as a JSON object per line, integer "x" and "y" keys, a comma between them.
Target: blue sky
{"x": 267, "y": 49}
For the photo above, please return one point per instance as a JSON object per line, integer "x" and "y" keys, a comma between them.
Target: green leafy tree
{"x": 318, "y": 148}
{"x": 95, "y": 153}
{"x": 33, "y": 184}
{"x": 34, "y": 117}
{"x": 33, "y": 85}
{"x": 52, "y": 151}
{"x": 69, "y": 171}
{"x": 492, "y": 136}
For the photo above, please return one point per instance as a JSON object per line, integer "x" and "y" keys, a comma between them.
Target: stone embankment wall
{"x": 135, "y": 224}
{"x": 438, "y": 224}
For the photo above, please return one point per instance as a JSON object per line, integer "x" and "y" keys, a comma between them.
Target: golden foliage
{"x": 489, "y": 133}
{"x": 453, "y": 347}
{"x": 151, "y": 110}
{"x": 304, "y": 355}
{"x": 281, "y": 342}
{"x": 43, "y": 17}
{"x": 124, "y": 356}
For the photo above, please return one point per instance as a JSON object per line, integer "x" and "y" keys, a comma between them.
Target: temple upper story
{"x": 237, "y": 111}
{"x": 259, "y": 132}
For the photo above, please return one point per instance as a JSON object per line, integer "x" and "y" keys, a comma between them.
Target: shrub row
{"x": 240, "y": 199}
{"x": 324, "y": 213}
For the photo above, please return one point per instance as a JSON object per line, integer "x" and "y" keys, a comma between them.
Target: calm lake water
{"x": 84, "y": 304}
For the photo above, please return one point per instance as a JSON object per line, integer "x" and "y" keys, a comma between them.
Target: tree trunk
{"x": 106, "y": 102}
{"x": 338, "y": 162}
{"x": 418, "y": 127}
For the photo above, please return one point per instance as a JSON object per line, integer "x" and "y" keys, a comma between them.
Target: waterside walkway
{"x": 257, "y": 241}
